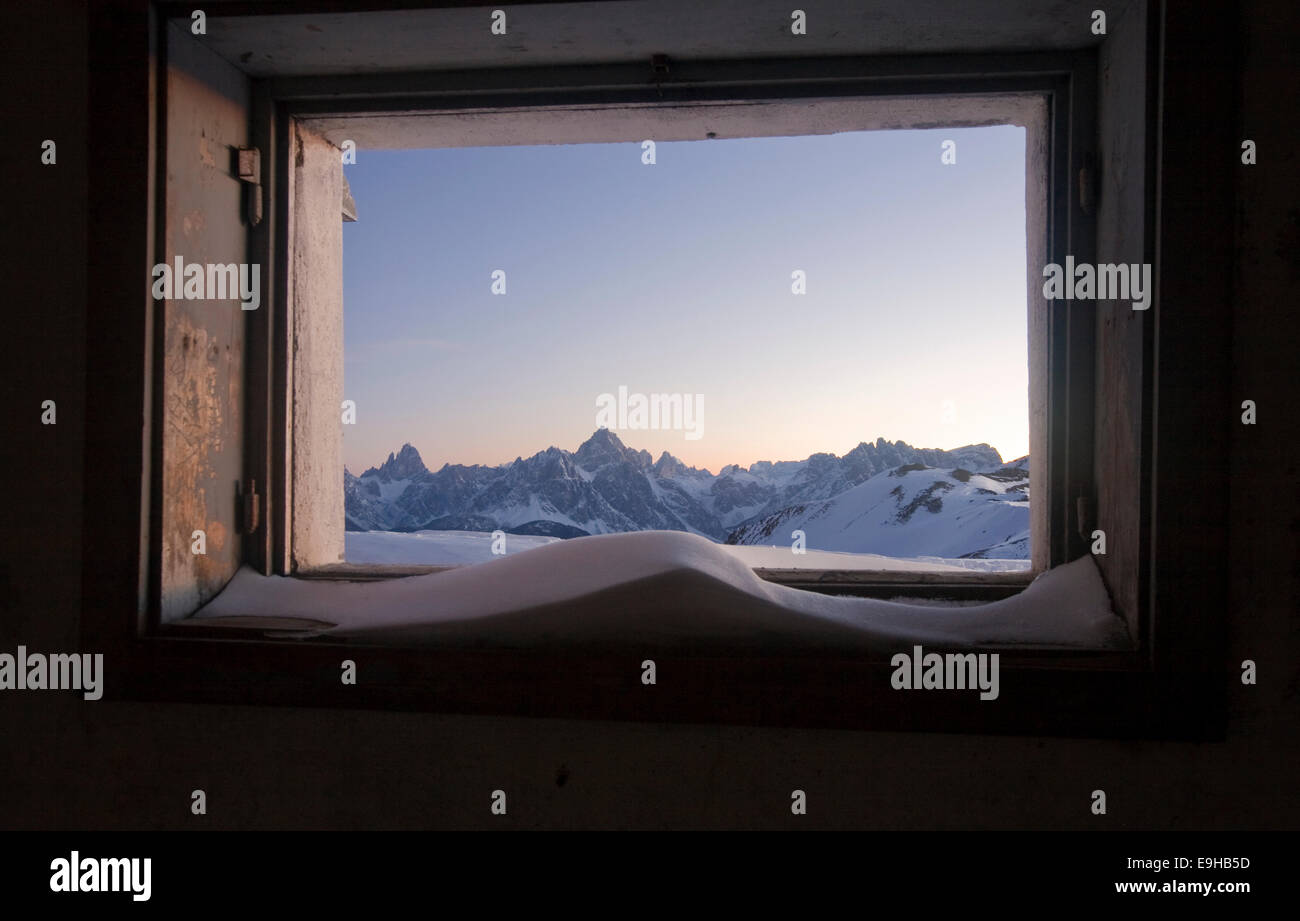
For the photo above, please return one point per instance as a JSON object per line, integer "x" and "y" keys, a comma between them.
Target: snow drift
{"x": 663, "y": 588}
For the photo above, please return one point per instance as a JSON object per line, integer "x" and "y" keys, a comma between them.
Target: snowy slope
{"x": 911, "y": 511}
{"x": 435, "y": 548}
{"x": 463, "y": 548}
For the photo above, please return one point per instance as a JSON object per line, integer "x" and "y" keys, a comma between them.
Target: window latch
{"x": 252, "y": 508}
{"x": 250, "y": 173}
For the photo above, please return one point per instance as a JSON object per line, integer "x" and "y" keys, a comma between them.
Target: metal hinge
{"x": 250, "y": 173}
{"x": 252, "y": 508}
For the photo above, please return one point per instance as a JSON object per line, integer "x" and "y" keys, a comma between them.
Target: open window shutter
{"x": 315, "y": 296}
{"x": 1122, "y": 232}
{"x": 205, "y": 222}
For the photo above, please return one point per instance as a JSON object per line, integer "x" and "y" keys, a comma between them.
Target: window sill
{"x": 665, "y": 590}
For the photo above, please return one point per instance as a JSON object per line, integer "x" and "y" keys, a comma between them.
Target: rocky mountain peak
{"x": 404, "y": 465}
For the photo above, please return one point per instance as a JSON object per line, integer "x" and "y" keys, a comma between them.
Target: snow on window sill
{"x": 662, "y": 589}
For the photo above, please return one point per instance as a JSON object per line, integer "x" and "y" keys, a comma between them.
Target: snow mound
{"x": 665, "y": 588}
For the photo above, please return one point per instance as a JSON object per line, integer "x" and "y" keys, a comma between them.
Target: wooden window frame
{"x": 1172, "y": 687}
{"x": 1066, "y": 81}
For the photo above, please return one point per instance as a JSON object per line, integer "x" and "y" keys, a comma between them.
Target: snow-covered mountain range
{"x": 888, "y": 498}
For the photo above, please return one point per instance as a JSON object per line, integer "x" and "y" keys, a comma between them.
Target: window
{"x": 274, "y": 390}
{"x": 649, "y": 343}
{"x": 810, "y": 108}
{"x": 321, "y": 136}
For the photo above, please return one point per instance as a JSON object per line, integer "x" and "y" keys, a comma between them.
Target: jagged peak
{"x": 603, "y": 446}
{"x": 404, "y": 464}
{"x": 981, "y": 448}
{"x": 667, "y": 465}
{"x": 603, "y": 436}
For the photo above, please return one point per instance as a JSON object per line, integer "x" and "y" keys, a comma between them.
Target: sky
{"x": 676, "y": 278}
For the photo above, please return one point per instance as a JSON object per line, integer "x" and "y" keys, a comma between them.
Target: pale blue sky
{"x": 675, "y": 278}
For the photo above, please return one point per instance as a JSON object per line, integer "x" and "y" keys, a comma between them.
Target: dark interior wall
{"x": 69, "y": 763}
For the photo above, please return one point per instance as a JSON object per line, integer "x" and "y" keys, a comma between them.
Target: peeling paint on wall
{"x": 192, "y": 224}
{"x": 203, "y": 342}
{"x": 192, "y": 424}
